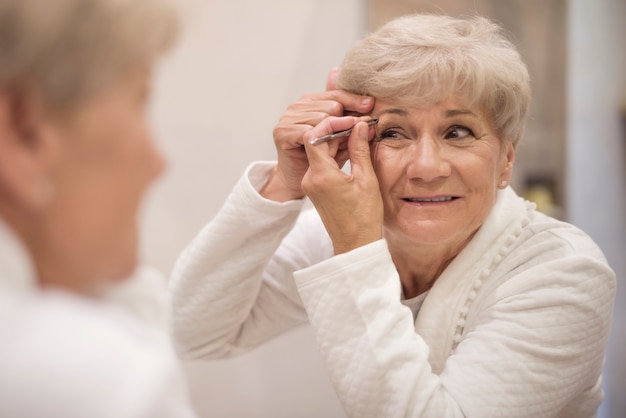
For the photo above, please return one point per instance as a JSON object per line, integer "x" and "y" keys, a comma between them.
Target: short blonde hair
{"x": 72, "y": 49}
{"x": 422, "y": 59}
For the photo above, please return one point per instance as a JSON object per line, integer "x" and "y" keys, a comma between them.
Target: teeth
{"x": 436, "y": 199}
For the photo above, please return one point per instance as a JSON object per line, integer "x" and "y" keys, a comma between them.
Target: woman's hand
{"x": 300, "y": 117}
{"x": 350, "y": 205}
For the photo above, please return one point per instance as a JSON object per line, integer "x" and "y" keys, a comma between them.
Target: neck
{"x": 420, "y": 265}
{"x": 48, "y": 268}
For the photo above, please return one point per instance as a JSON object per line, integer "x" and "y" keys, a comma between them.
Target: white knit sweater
{"x": 516, "y": 326}
{"x": 63, "y": 355}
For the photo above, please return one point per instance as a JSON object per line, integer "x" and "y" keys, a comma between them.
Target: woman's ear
{"x": 24, "y": 152}
{"x": 508, "y": 163}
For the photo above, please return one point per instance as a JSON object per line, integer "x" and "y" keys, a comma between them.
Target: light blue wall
{"x": 596, "y": 156}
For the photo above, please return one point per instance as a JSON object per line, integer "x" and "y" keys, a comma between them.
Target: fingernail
{"x": 363, "y": 132}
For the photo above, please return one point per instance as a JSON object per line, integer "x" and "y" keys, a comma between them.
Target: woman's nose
{"x": 426, "y": 160}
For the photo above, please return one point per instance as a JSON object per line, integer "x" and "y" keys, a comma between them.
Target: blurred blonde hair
{"x": 422, "y": 59}
{"x": 70, "y": 50}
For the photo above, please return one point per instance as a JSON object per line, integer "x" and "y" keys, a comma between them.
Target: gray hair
{"x": 70, "y": 50}
{"x": 422, "y": 59}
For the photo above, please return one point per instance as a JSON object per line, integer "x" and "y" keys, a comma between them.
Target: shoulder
{"x": 556, "y": 234}
{"x": 546, "y": 240}
{"x": 551, "y": 254}
{"x": 70, "y": 357}
{"x": 542, "y": 236}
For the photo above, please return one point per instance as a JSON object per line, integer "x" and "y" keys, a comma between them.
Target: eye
{"x": 459, "y": 132}
{"x": 389, "y": 134}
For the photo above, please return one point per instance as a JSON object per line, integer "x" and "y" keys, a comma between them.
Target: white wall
{"x": 596, "y": 172}
{"x": 217, "y": 97}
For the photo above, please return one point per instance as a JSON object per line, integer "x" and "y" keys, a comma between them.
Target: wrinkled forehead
{"x": 450, "y": 107}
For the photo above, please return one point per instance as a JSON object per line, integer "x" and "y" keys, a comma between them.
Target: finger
{"x": 322, "y": 152}
{"x": 342, "y": 158}
{"x": 330, "y": 125}
{"x": 290, "y": 137}
{"x": 333, "y": 76}
{"x": 347, "y": 102}
{"x": 304, "y": 118}
{"x": 359, "y": 150}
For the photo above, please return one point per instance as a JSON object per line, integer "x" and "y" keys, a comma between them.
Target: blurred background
{"x": 239, "y": 64}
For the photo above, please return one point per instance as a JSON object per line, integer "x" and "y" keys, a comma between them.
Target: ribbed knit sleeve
{"x": 230, "y": 291}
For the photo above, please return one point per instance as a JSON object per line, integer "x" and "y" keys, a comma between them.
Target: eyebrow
{"x": 448, "y": 113}
{"x": 456, "y": 112}
{"x": 399, "y": 112}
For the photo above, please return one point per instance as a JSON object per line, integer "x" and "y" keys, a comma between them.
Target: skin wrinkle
{"x": 421, "y": 162}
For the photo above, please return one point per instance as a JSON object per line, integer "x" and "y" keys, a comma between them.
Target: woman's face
{"x": 439, "y": 168}
{"x": 105, "y": 161}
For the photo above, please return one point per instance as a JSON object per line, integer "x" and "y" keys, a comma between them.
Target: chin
{"x": 125, "y": 270}
{"x": 119, "y": 267}
{"x": 125, "y": 258}
{"x": 110, "y": 278}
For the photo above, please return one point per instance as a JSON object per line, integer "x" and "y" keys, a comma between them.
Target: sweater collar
{"x": 507, "y": 215}
{"x": 470, "y": 267}
{"x": 16, "y": 271}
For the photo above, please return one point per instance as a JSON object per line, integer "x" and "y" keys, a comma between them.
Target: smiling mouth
{"x": 429, "y": 199}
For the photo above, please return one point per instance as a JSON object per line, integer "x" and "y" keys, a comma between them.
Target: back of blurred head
{"x": 75, "y": 154}
{"x": 71, "y": 49}
{"x": 422, "y": 59}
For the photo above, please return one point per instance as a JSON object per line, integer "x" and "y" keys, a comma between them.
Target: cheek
{"x": 479, "y": 168}
{"x": 108, "y": 169}
{"x": 386, "y": 166}
{"x": 136, "y": 160}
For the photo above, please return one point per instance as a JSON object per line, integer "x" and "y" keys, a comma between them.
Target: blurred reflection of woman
{"x": 76, "y": 156}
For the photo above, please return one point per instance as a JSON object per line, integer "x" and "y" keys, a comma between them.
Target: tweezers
{"x": 338, "y": 134}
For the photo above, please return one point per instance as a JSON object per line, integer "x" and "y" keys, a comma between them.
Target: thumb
{"x": 359, "y": 150}
{"x": 333, "y": 76}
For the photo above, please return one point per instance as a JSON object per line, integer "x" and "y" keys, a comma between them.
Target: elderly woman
{"x": 433, "y": 289}
{"x": 79, "y": 338}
